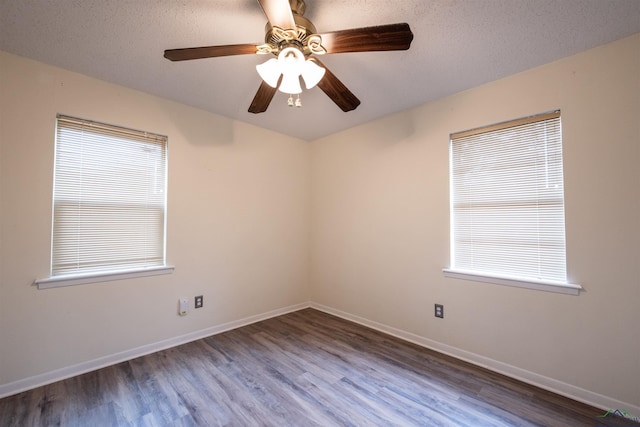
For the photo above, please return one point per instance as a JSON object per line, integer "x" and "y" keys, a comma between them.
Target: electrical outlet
{"x": 199, "y": 302}
{"x": 439, "y": 311}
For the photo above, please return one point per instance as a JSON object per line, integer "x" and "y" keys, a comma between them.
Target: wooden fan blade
{"x": 209, "y": 51}
{"x": 369, "y": 39}
{"x": 263, "y": 98}
{"x": 278, "y": 13}
{"x": 336, "y": 90}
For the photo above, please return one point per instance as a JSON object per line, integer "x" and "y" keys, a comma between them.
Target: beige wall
{"x": 380, "y": 226}
{"x": 237, "y": 231}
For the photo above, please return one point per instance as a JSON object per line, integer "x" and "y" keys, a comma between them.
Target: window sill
{"x": 540, "y": 285}
{"x": 60, "y": 281}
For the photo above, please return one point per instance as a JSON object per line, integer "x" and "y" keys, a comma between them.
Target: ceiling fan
{"x": 294, "y": 41}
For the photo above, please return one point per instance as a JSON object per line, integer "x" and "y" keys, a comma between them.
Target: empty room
{"x": 320, "y": 212}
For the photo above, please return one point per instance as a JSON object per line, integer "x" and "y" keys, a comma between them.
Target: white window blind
{"x": 109, "y": 198}
{"x": 507, "y": 201}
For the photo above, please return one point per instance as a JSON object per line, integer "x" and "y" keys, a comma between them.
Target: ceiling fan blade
{"x": 209, "y": 51}
{"x": 278, "y": 13}
{"x": 336, "y": 90}
{"x": 368, "y": 39}
{"x": 263, "y": 98}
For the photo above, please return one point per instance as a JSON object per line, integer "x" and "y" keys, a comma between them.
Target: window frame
{"x": 454, "y": 272}
{"x": 99, "y": 131}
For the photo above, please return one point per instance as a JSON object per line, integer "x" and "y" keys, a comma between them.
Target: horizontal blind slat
{"x": 507, "y": 201}
{"x": 109, "y": 198}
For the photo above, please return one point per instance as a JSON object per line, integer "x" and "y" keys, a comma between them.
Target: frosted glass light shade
{"x": 270, "y": 72}
{"x": 291, "y": 64}
{"x": 312, "y": 73}
{"x": 290, "y": 84}
{"x": 291, "y": 60}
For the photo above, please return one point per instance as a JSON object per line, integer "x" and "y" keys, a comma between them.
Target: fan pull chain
{"x": 297, "y": 103}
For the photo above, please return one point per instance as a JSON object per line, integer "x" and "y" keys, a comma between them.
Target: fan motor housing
{"x": 279, "y": 39}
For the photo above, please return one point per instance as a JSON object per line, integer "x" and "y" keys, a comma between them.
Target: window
{"x": 507, "y": 204}
{"x": 109, "y": 202}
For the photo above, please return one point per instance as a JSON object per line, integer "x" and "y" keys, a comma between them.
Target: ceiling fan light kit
{"x": 291, "y": 64}
{"x": 293, "y": 39}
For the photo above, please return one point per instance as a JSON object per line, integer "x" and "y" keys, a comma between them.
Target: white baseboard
{"x": 101, "y": 362}
{"x": 573, "y": 392}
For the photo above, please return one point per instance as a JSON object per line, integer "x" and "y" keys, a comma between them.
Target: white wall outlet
{"x": 183, "y": 306}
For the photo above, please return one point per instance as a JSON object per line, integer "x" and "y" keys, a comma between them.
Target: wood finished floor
{"x": 305, "y": 368}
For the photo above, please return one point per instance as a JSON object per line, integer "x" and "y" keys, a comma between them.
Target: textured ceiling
{"x": 457, "y": 44}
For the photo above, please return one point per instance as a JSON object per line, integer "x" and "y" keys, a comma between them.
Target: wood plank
{"x": 304, "y": 368}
